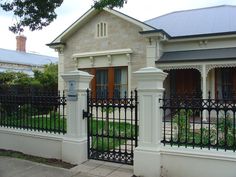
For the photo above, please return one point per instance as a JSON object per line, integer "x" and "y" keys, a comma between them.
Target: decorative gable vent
{"x": 101, "y": 30}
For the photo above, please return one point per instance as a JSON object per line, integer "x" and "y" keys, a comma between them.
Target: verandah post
{"x": 147, "y": 157}
{"x": 74, "y": 146}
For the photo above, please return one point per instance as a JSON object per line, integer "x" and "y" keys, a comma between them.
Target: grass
{"x": 41, "y": 122}
{"x": 47, "y": 161}
{"x": 109, "y": 135}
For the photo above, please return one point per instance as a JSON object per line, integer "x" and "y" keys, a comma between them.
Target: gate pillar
{"x": 147, "y": 158}
{"x": 74, "y": 146}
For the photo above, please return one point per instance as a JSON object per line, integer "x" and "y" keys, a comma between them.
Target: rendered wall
{"x": 33, "y": 143}
{"x": 180, "y": 162}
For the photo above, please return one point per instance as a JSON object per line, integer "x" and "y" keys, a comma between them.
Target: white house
{"x": 196, "y": 47}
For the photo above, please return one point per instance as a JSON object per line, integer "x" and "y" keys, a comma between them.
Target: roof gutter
{"x": 194, "y": 60}
{"x": 189, "y": 37}
{"x": 155, "y": 32}
{"x": 204, "y": 35}
{"x": 58, "y": 46}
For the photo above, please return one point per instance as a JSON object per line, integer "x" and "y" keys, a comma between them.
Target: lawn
{"x": 53, "y": 123}
{"x": 110, "y": 135}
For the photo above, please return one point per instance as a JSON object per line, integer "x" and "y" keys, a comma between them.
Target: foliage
{"x": 226, "y": 131}
{"x": 46, "y": 78}
{"x": 205, "y": 136}
{"x": 99, "y": 4}
{"x": 14, "y": 78}
{"x": 37, "y": 14}
{"x": 34, "y": 14}
{"x": 110, "y": 140}
{"x": 40, "y": 122}
{"x": 26, "y": 110}
{"x": 107, "y": 110}
{"x": 182, "y": 123}
{"x": 21, "y": 83}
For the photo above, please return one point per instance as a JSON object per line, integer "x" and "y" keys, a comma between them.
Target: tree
{"x": 37, "y": 14}
{"x": 100, "y": 4}
{"x": 14, "y": 78}
{"x": 47, "y": 78}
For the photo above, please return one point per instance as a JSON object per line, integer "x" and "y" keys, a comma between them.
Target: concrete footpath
{"x": 12, "y": 167}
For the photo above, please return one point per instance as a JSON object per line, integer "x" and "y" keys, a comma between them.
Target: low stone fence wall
{"x": 33, "y": 143}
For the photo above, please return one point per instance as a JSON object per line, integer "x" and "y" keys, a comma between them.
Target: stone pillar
{"x": 147, "y": 158}
{"x": 61, "y": 83}
{"x": 151, "y": 54}
{"x": 74, "y": 146}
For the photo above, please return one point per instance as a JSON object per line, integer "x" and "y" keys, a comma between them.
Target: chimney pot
{"x": 20, "y": 43}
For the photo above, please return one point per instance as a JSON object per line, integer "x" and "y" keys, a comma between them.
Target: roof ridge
{"x": 179, "y": 11}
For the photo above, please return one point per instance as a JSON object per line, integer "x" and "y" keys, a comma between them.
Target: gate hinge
{"x": 86, "y": 114}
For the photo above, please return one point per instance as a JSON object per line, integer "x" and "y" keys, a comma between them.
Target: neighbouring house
{"x": 21, "y": 61}
{"x": 196, "y": 47}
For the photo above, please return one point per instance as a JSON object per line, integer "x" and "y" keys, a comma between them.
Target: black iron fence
{"x": 38, "y": 111}
{"x": 25, "y": 90}
{"x": 196, "y": 122}
{"x": 112, "y": 127}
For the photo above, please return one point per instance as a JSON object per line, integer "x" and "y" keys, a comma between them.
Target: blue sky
{"x": 73, "y": 9}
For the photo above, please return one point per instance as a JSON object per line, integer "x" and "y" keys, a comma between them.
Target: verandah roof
{"x": 198, "y": 55}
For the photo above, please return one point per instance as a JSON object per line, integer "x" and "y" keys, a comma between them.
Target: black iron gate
{"x": 112, "y": 128}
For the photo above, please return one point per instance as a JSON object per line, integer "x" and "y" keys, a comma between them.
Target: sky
{"x": 71, "y": 10}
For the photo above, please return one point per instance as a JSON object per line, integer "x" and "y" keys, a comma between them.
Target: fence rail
{"x": 195, "y": 122}
{"x": 44, "y": 111}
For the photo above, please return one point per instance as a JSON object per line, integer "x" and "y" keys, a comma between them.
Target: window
{"x": 101, "y": 30}
{"x": 101, "y": 83}
{"x": 225, "y": 83}
{"x": 109, "y": 82}
{"x": 120, "y": 83}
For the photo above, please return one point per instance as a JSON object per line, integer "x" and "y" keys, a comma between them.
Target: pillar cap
{"x": 77, "y": 75}
{"x": 150, "y": 73}
{"x": 149, "y": 70}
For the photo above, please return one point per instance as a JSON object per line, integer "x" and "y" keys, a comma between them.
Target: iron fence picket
{"x": 212, "y": 122}
{"x": 33, "y": 112}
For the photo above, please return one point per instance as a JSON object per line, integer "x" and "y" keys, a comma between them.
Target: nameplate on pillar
{"x": 72, "y": 93}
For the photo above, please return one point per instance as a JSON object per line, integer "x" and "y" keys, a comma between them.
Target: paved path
{"x": 12, "y": 167}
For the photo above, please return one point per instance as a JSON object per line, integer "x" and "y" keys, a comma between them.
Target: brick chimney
{"x": 20, "y": 43}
